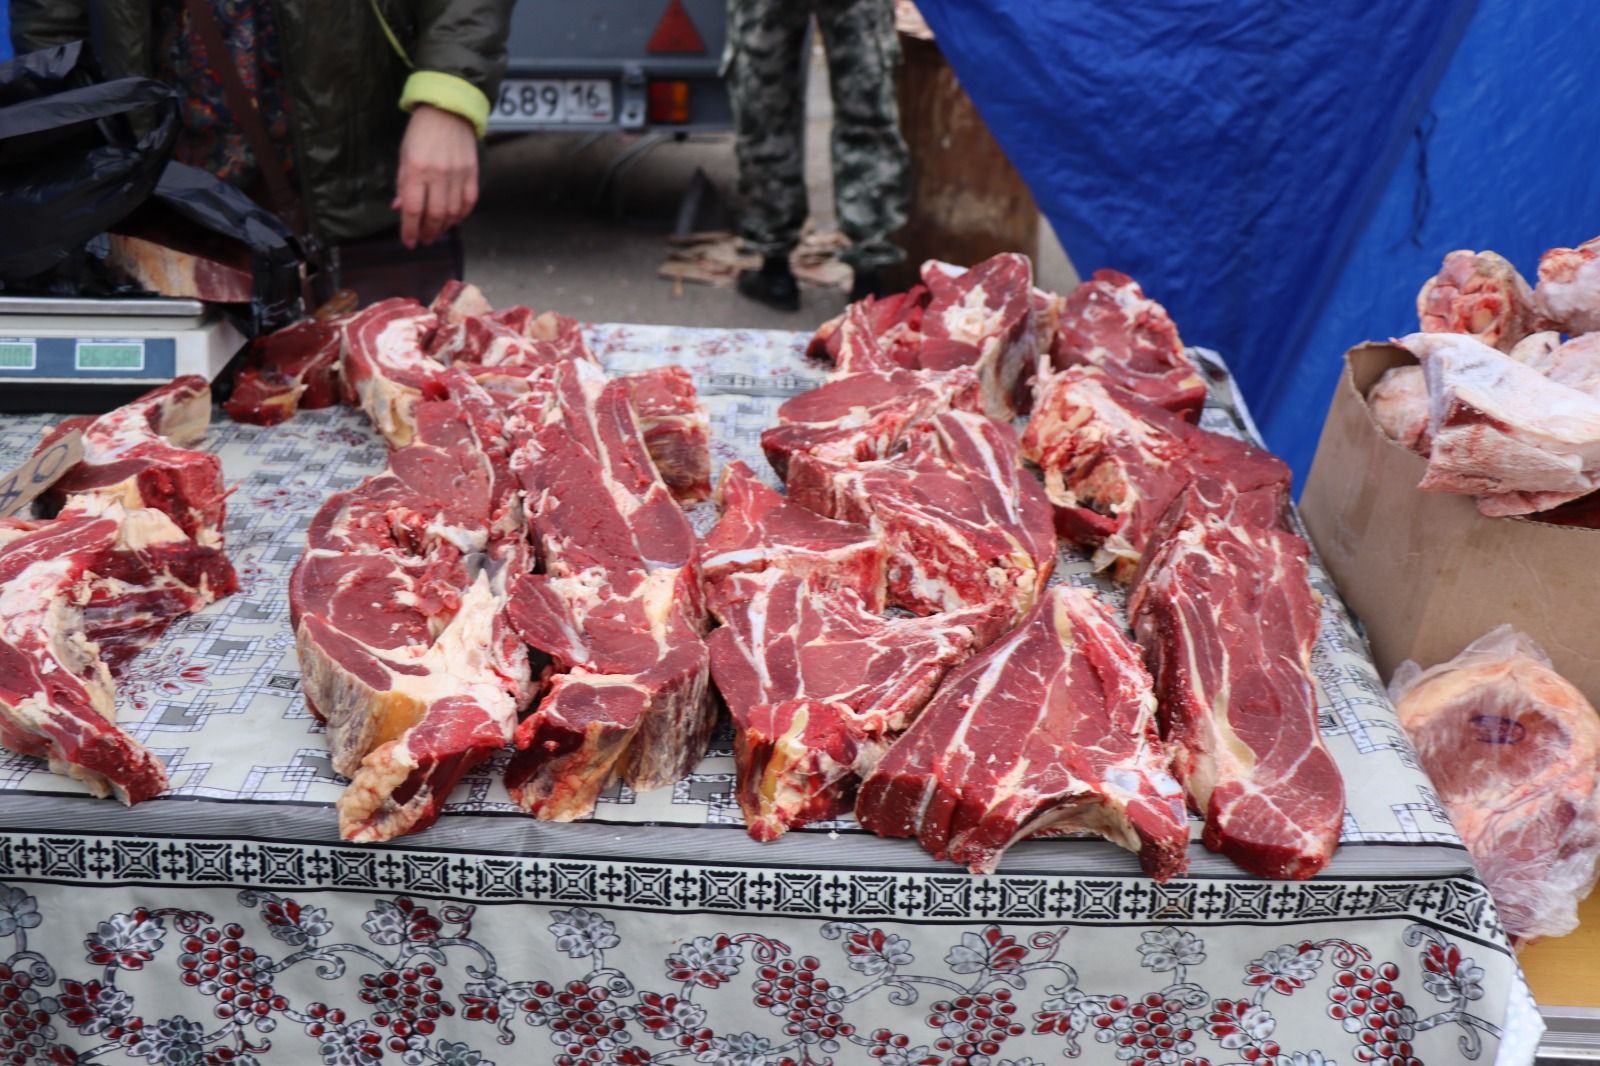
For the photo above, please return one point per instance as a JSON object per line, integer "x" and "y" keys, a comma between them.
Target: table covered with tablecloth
{"x": 225, "y": 922}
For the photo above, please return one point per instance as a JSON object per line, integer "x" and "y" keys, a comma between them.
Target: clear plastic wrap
{"x": 1514, "y": 751}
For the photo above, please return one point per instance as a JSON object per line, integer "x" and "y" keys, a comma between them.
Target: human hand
{"x": 438, "y": 182}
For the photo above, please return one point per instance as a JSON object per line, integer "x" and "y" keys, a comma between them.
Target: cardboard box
{"x": 1424, "y": 571}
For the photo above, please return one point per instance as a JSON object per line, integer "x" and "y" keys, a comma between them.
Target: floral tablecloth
{"x": 225, "y": 922}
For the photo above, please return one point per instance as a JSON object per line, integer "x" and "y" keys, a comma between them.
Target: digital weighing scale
{"x": 82, "y": 355}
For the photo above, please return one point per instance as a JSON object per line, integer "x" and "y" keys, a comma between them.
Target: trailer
{"x": 603, "y": 66}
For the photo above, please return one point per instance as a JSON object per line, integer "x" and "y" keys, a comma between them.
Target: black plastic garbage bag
{"x": 76, "y": 156}
{"x": 276, "y": 254}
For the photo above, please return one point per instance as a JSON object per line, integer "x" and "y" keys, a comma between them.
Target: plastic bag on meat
{"x": 1514, "y": 751}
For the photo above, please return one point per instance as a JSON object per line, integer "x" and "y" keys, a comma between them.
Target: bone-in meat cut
{"x": 866, "y": 415}
{"x": 397, "y": 606}
{"x": 983, "y": 318}
{"x": 1224, "y": 611}
{"x": 1575, "y": 364}
{"x": 1114, "y": 463}
{"x": 1399, "y": 404}
{"x": 1514, "y": 751}
{"x": 1050, "y": 730}
{"x": 383, "y": 368}
{"x": 1502, "y": 430}
{"x": 137, "y": 456}
{"x": 79, "y": 594}
{"x": 617, "y": 606}
{"x": 877, "y": 333}
{"x": 964, "y": 523}
{"x": 1569, "y": 287}
{"x": 1109, "y": 322}
{"x": 298, "y": 366}
{"x": 677, "y": 429}
{"x": 760, "y": 530}
{"x": 1481, "y": 295}
{"x": 817, "y": 685}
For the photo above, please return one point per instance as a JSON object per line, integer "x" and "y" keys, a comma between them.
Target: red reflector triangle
{"x": 675, "y": 33}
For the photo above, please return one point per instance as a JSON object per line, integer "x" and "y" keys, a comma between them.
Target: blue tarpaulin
{"x": 1285, "y": 175}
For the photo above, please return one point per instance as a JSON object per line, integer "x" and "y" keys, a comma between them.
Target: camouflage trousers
{"x": 766, "y": 68}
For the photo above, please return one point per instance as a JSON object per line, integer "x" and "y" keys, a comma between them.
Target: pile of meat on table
{"x": 125, "y": 542}
{"x": 884, "y": 632}
{"x": 526, "y": 549}
{"x": 1505, "y": 403}
{"x": 1056, "y": 721}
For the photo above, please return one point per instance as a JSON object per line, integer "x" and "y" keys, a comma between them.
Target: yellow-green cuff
{"x": 448, "y": 93}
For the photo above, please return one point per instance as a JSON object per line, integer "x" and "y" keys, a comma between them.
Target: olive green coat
{"x": 346, "y": 80}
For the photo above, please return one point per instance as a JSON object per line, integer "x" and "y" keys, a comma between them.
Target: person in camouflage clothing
{"x": 765, "y": 69}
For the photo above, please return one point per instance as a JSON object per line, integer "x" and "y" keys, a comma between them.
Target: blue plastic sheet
{"x": 1229, "y": 156}
{"x": 1506, "y": 158}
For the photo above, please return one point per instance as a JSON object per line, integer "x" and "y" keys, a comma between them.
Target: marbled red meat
{"x": 1050, "y": 730}
{"x": 1223, "y": 608}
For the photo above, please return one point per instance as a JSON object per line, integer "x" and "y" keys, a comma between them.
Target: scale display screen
{"x": 109, "y": 355}
{"x": 87, "y": 358}
{"x": 18, "y": 355}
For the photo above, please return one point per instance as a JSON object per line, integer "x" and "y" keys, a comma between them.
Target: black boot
{"x": 867, "y": 283}
{"x": 773, "y": 285}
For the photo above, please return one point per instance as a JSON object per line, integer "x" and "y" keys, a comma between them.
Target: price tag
{"x": 20, "y": 487}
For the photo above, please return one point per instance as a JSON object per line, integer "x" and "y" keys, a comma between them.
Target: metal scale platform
{"x": 82, "y": 355}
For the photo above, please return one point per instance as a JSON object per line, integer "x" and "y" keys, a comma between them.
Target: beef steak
{"x": 817, "y": 685}
{"x": 1224, "y": 610}
{"x": 79, "y": 594}
{"x": 760, "y": 530}
{"x": 1109, "y": 322}
{"x": 1050, "y": 730}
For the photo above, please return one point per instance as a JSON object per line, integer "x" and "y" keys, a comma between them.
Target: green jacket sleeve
{"x": 37, "y": 24}
{"x": 458, "y": 56}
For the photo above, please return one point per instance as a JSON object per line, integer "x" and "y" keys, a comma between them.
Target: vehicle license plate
{"x": 552, "y": 102}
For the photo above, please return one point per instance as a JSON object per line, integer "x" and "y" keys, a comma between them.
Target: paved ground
{"x": 543, "y": 237}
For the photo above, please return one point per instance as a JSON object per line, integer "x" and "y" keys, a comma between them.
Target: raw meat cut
{"x": 760, "y": 530}
{"x": 1110, "y": 323}
{"x": 398, "y": 611}
{"x": 618, "y": 604}
{"x": 865, "y": 415}
{"x": 677, "y": 430}
{"x": 1514, "y": 751}
{"x": 1583, "y": 512}
{"x": 79, "y": 594}
{"x": 964, "y": 524}
{"x": 1575, "y": 364}
{"x": 383, "y": 368}
{"x": 1050, "y": 730}
{"x": 1536, "y": 347}
{"x": 473, "y": 333}
{"x": 886, "y": 331}
{"x": 875, "y": 334}
{"x": 483, "y": 341}
{"x": 1225, "y": 613}
{"x": 983, "y": 318}
{"x": 1504, "y": 431}
{"x": 1399, "y": 404}
{"x": 1481, "y": 295}
{"x": 1569, "y": 287}
{"x": 1113, "y": 463}
{"x": 298, "y": 366}
{"x": 459, "y": 301}
{"x": 817, "y": 685}
{"x": 136, "y": 456}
